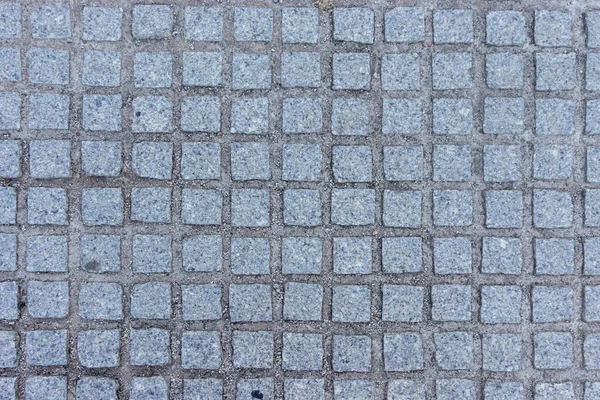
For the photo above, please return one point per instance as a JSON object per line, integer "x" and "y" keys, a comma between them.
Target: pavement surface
{"x": 263, "y": 200}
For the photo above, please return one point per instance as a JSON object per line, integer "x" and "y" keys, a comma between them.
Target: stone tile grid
{"x": 177, "y": 138}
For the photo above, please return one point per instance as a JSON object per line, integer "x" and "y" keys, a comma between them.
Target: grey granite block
{"x": 402, "y": 352}
{"x": 296, "y": 389}
{"x": 153, "y": 69}
{"x": 351, "y": 207}
{"x": 401, "y": 116}
{"x": 252, "y": 349}
{"x": 353, "y": 25}
{"x": 253, "y": 24}
{"x": 250, "y": 256}
{"x": 452, "y": 116}
{"x": 250, "y": 207}
{"x": 46, "y": 348}
{"x": 301, "y": 162}
{"x": 10, "y": 111}
{"x": 203, "y": 23}
{"x": 150, "y": 388}
{"x": 501, "y": 255}
{"x": 250, "y": 303}
{"x": 400, "y": 71}
{"x": 48, "y": 111}
{"x": 401, "y": 254}
{"x": 10, "y": 64}
{"x": 501, "y": 304}
{"x": 454, "y": 350}
{"x": 151, "y": 253}
{"x": 102, "y": 113}
{"x": 302, "y": 352}
{"x": 300, "y": 69}
{"x": 402, "y": 208}
{"x": 8, "y": 301}
{"x": 351, "y": 71}
{"x": 452, "y": 255}
{"x": 151, "y": 21}
{"x": 200, "y": 160}
{"x": 101, "y": 68}
{"x": 251, "y": 71}
{"x": 451, "y": 163}
{"x": 552, "y": 209}
{"x": 151, "y": 204}
{"x": 504, "y": 208}
{"x": 8, "y": 252}
{"x": 352, "y": 163}
{"x": 48, "y": 299}
{"x": 554, "y": 117}
{"x": 202, "y": 69}
{"x": 405, "y": 24}
{"x": 503, "y": 115}
{"x": 448, "y": 389}
{"x": 100, "y": 301}
{"x": 51, "y": 21}
{"x": 202, "y": 253}
{"x": 452, "y": 207}
{"x": 350, "y": 389}
{"x": 301, "y": 255}
{"x": 351, "y": 353}
{"x": 153, "y": 114}
{"x": 451, "y": 303}
{"x": 209, "y": 389}
{"x": 303, "y": 302}
{"x": 102, "y": 206}
{"x": 255, "y": 388}
{"x": 100, "y": 253}
{"x": 505, "y": 28}
{"x": 350, "y": 116}
{"x": 402, "y": 303}
{"x": 453, "y": 26}
{"x": 46, "y": 254}
{"x": 8, "y": 347}
{"x": 550, "y": 391}
{"x": 102, "y": 23}
{"x": 46, "y": 387}
{"x": 553, "y": 28}
{"x": 45, "y": 206}
{"x": 552, "y": 350}
{"x": 151, "y": 300}
{"x": 10, "y": 20}
{"x": 555, "y": 71}
{"x": 249, "y": 161}
{"x": 552, "y": 303}
{"x": 201, "y": 350}
{"x": 351, "y": 303}
{"x": 98, "y": 349}
{"x": 152, "y": 159}
{"x": 100, "y": 158}
{"x": 403, "y": 163}
{"x": 452, "y": 71}
{"x": 502, "y": 352}
{"x": 201, "y": 302}
{"x": 250, "y": 115}
{"x": 299, "y": 25}
{"x": 352, "y": 255}
{"x": 302, "y": 115}
{"x": 91, "y": 388}
{"x": 554, "y": 256}
{"x": 504, "y": 70}
{"x": 149, "y": 347}
{"x": 302, "y": 207}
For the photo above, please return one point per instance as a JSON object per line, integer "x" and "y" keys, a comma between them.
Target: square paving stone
{"x": 100, "y": 253}
{"x": 552, "y": 209}
{"x": 452, "y": 116}
{"x": 8, "y": 205}
{"x": 250, "y": 160}
{"x": 401, "y": 116}
{"x": 451, "y": 303}
{"x": 553, "y": 28}
{"x": 592, "y": 72}
{"x": 100, "y": 301}
{"x": 352, "y": 163}
{"x": 451, "y": 163}
{"x": 46, "y": 387}
{"x": 201, "y": 350}
{"x": 353, "y": 25}
{"x": 202, "y": 253}
{"x": 9, "y": 309}
{"x": 302, "y": 302}
{"x": 208, "y": 389}
{"x": 554, "y": 117}
{"x": 351, "y": 353}
{"x": 453, "y": 26}
{"x": 204, "y": 23}
{"x": 301, "y": 162}
{"x": 149, "y": 347}
{"x": 152, "y": 388}
{"x": 250, "y": 303}
{"x": 302, "y": 115}
{"x": 452, "y": 255}
{"x": 552, "y": 350}
{"x": 49, "y": 66}
{"x": 591, "y": 258}
{"x": 402, "y": 208}
{"x": 351, "y": 303}
{"x": 101, "y": 158}
{"x": 10, "y": 64}
{"x": 8, "y": 345}
{"x": 8, "y": 388}
{"x": 592, "y": 118}
{"x": 448, "y": 389}
{"x": 102, "y": 112}
{"x": 10, "y": 158}
{"x": 250, "y": 207}
{"x": 48, "y": 111}
{"x": 200, "y": 160}
{"x": 299, "y": 25}
{"x": 591, "y": 351}
{"x": 505, "y": 28}
{"x": 51, "y": 21}
{"x": 250, "y": 115}
{"x": 47, "y": 348}
{"x": 201, "y": 302}
{"x": 302, "y": 207}
{"x": 152, "y": 159}
{"x": 406, "y": 389}
{"x": 8, "y": 252}
{"x": 405, "y": 24}
{"x": 504, "y": 70}
{"x": 452, "y": 207}
{"x": 153, "y": 69}
{"x": 352, "y": 207}
{"x": 592, "y": 390}
{"x": 98, "y": 349}
{"x": 102, "y": 206}
{"x": 151, "y": 21}
{"x": 202, "y": 69}
{"x": 500, "y": 304}
{"x": 350, "y": 116}
{"x": 301, "y": 255}
{"x": 90, "y": 388}
{"x": 592, "y": 207}
{"x": 503, "y": 208}
{"x": 352, "y": 255}
{"x": 592, "y": 21}
{"x": 252, "y": 349}
{"x": 503, "y": 116}
{"x": 10, "y": 20}
{"x": 400, "y": 71}
{"x": 452, "y": 71}
{"x": 402, "y": 303}
{"x": 154, "y": 114}
{"x": 151, "y": 300}
{"x": 151, "y": 204}
{"x": 554, "y": 256}
{"x": 151, "y": 253}
{"x": 45, "y": 206}
{"x": 592, "y": 303}
{"x": 555, "y": 71}
{"x": 296, "y": 389}
{"x": 551, "y": 391}
{"x": 351, "y": 389}
{"x": 454, "y": 350}
{"x": 250, "y": 256}
{"x": 501, "y": 352}
{"x": 302, "y": 352}
{"x": 253, "y": 24}
{"x": 300, "y": 69}
{"x": 592, "y": 164}
{"x": 48, "y": 299}
{"x": 251, "y": 71}
{"x": 501, "y": 255}
{"x": 46, "y": 254}
{"x": 255, "y": 388}
{"x": 50, "y": 158}
{"x": 401, "y": 254}
{"x": 402, "y": 352}
{"x": 351, "y": 71}
{"x": 552, "y": 303}
{"x": 102, "y": 23}
{"x": 101, "y": 68}
{"x": 501, "y": 163}
{"x": 10, "y": 112}
{"x": 403, "y": 163}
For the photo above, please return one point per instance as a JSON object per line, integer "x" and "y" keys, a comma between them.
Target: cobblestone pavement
{"x": 267, "y": 200}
